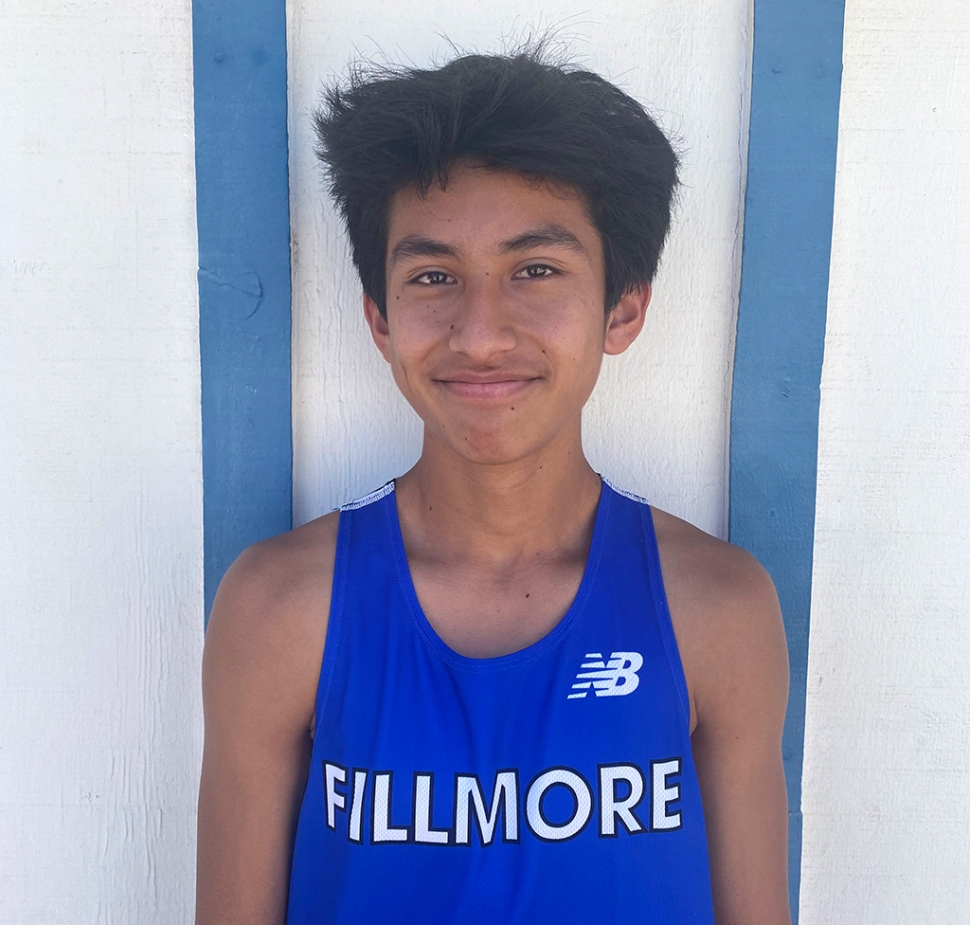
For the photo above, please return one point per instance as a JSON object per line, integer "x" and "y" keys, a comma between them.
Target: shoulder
{"x": 710, "y": 576}
{"x": 727, "y": 622}
{"x": 269, "y": 621}
{"x": 282, "y": 571}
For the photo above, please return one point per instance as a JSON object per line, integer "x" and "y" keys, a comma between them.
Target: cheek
{"x": 411, "y": 348}
{"x": 575, "y": 334}
{"x": 582, "y": 357}
{"x": 416, "y": 324}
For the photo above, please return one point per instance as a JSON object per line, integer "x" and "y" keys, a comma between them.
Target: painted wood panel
{"x": 886, "y": 796}
{"x": 100, "y": 464}
{"x": 658, "y": 422}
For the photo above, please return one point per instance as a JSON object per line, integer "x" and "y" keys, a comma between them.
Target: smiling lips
{"x": 484, "y": 386}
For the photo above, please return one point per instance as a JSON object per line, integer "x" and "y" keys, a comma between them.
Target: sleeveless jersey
{"x": 551, "y": 785}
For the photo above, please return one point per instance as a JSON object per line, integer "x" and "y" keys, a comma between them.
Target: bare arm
{"x": 260, "y": 671}
{"x": 733, "y": 646}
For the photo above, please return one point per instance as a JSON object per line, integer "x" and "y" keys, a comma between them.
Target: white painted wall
{"x": 887, "y": 751}
{"x": 659, "y": 419}
{"x": 100, "y": 464}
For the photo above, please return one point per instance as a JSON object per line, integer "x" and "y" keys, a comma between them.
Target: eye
{"x": 433, "y": 278}
{"x": 535, "y": 271}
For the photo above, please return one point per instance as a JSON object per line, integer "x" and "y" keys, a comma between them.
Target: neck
{"x": 542, "y": 504}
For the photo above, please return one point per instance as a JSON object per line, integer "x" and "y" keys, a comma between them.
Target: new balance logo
{"x": 614, "y": 678}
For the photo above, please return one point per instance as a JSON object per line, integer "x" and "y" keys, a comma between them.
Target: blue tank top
{"x": 551, "y": 785}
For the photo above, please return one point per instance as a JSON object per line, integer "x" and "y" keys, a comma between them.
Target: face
{"x": 495, "y": 326}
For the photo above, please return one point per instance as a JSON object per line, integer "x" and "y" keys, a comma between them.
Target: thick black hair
{"x": 387, "y": 129}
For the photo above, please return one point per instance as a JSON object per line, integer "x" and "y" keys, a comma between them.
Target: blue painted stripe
{"x": 244, "y": 275}
{"x": 796, "y": 82}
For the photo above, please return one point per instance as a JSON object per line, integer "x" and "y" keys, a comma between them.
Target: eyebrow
{"x": 418, "y": 246}
{"x": 552, "y": 235}
{"x": 547, "y": 236}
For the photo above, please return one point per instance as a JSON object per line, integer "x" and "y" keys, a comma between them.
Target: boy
{"x": 497, "y": 689}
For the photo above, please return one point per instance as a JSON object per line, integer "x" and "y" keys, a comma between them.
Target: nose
{"x": 482, "y": 325}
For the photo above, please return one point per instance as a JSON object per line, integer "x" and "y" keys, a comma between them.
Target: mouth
{"x": 486, "y": 387}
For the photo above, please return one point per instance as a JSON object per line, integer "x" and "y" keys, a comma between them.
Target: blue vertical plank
{"x": 242, "y": 195}
{"x": 795, "y": 91}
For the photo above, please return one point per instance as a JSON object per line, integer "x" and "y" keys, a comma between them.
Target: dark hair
{"x": 389, "y": 128}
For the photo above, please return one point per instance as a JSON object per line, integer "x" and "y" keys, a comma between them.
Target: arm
{"x": 732, "y": 642}
{"x": 737, "y": 752}
{"x": 260, "y": 670}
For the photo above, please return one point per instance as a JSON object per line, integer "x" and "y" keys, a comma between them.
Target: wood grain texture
{"x": 100, "y": 468}
{"x": 658, "y": 421}
{"x": 887, "y": 777}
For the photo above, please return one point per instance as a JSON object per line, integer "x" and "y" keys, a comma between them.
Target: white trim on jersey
{"x": 370, "y": 498}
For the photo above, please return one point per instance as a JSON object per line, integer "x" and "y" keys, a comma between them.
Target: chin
{"x": 490, "y": 449}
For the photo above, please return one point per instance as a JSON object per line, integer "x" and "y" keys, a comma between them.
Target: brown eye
{"x": 535, "y": 271}
{"x": 433, "y": 278}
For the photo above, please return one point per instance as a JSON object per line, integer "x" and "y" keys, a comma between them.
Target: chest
{"x": 485, "y": 612}
{"x": 530, "y": 787}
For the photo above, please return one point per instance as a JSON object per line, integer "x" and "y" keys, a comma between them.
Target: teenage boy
{"x": 497, "y": 689}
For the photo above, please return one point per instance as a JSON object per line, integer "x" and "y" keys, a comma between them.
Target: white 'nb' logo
{"x": 614, "y": 678}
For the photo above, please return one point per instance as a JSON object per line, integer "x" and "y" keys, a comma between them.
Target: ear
{"x": 625, "y": 320}
{"x": 377, "y": 323}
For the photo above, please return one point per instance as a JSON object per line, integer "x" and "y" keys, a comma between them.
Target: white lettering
{"x": 624, "y": 680}
{"x": 662, "y": 795}
{"x": 357, "y": 805}
{"x": 621, "y": 789}
{"x": 614, "y": 678}
{"x": 423, "y": 805}
{"x": 611, "y": 807}
{"x": 468, "y": 791}
{"x": 381, "y": 829}
{"x": 332, "y": 774}
{"x": 582, "y": 797}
